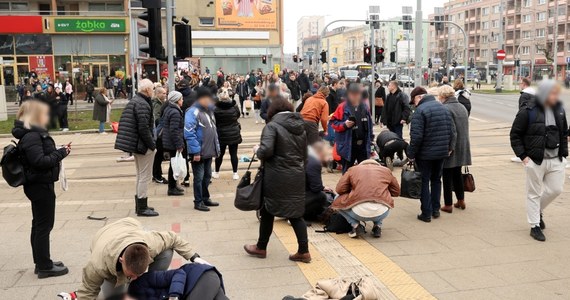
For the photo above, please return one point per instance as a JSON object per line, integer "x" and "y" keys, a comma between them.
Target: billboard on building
{"x": 246, "y": 14}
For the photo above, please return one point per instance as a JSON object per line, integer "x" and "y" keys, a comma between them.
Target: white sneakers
{"x": 215, "y": 175}
{"x": 516, "y": 159}
{"x": 235, "y": 177}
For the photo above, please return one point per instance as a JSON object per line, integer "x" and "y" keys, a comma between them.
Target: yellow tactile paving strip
{"x": 396, "y": 279}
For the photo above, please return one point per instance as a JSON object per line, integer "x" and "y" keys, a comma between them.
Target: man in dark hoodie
{"x": 539, "y": 138}
{"x": 304, "y": 82}
{"x": 188, "y": 94}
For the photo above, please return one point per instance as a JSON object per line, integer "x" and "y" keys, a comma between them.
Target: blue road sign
{"x": 334, "y": 60}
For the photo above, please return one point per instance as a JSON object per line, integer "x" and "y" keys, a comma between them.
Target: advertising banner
{"x": 89, "y": 25}
{"x": 246, "y": 14}
{"x": 21, "y": 24}
{"x": 42, "y": 65}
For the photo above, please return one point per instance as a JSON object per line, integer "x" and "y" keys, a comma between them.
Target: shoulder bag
{"x": 468, "y": 181}
{"x": 249, "y": 194}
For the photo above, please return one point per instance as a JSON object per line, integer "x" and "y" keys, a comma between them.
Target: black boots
{"x": 142, "y": 209}
{"x": 56, "y": 270}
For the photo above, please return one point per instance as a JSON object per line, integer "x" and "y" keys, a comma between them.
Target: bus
{"x": 362, "y": 70}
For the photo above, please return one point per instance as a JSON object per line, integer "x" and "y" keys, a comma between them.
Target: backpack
{"x": 335, "y": 222}
{"x": 12, "y": 166}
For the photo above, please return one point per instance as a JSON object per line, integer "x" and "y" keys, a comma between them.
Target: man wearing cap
{"x": 202, "y": 141}
{"x": 173, "y": 135}
{"x": 432, "y": 138}
{"x": 352, "y": 124}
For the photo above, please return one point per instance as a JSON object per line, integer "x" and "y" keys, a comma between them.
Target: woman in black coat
{"x": 41, "y": 160}
{"x": 283, "y": 151}
{"x": 172, "y": 134}
{"x": 229, "y": 134}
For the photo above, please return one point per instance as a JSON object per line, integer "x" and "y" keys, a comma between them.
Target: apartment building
{"x": 528, "y": 35}
{"x": 309, "y": 26}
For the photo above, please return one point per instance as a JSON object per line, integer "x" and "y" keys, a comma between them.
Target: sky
{"x": 342, "y": 9}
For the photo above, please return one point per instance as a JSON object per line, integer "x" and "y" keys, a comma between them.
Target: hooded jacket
{"x": 227, "y": 115}
{"x": 108, "y": 244}
{"x": 356, "y": 187}
{"x": 316, "y": 109}
{"x": 40, "y": 157}
{"x": 200, "y": 132}
{"x": 283, "y": 150}
{"x": 527, "y": 97}
{"x": 343, "y": 135}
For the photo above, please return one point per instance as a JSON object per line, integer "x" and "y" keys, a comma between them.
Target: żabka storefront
{"x": 57, "y": 48}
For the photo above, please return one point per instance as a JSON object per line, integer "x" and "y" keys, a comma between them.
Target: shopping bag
{"x": 411, "y": 183}
{"x": 248, "y": 104}
{"x": 249, "y": 194}
{"x": 115, "y": 127}
{"x": 468, "y": 181}
{"x": 178, "y": 166}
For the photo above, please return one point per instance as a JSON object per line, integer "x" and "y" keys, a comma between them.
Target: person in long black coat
{"x": 41, "y": 160}
{"x": 283, "y": 151}
{"x": 229, "y": 134}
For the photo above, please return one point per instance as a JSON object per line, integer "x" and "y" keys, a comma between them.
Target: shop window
{"x": 22, "y": 59}
{"x": 206, "y": 21}
{"x": 106, "y": 7}
{"x": 5, "y": 6}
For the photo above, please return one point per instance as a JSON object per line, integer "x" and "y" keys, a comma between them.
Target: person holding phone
{"x": 353, "y": 123}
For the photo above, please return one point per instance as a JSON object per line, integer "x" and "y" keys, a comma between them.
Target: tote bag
{"x": 468, "y": 181}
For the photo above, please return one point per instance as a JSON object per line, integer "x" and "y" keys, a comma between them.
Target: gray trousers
{"x": 208, "y": 287}
{"x": 161, "y": 263}
{"x": 143, "y": 163}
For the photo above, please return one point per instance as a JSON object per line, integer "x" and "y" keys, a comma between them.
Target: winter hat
{"x": 174, "y": 96}
{"x": 544, "y": 89}
{"x": 203, "y": 92}
{"x": 417, "y": 91}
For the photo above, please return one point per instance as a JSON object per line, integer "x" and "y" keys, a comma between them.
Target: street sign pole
{"x": 499, "y": 84}
{"x": 419, "y": 49}
{"x": 170, "y": 44}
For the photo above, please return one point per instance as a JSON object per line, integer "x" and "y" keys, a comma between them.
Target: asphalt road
{"x": 494, "y": 108}
{"x": 12, "y": 107}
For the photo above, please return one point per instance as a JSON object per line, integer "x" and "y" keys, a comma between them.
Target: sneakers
{"x": 160, "y": 180}
{"x": 356, "y": 232}
{"x": 235, "y": 176}
{"x": 215, "y": 175}
{"x": 537, "y": 234}
{"x": 65, "y": 129}
{"x": 516, "y": 159}
{"x": 376, "y": 231}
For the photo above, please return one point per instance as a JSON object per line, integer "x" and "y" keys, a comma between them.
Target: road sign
{"x": 276, "y": 68}
{"x": 501, "y": 54}
{"x": 334, "y": 60}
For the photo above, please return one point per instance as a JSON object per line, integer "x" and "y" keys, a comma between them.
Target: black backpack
{"x": 12, "y": 166}
{"x": 335, "y": 222}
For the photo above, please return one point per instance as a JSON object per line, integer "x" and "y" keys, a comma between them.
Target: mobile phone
{"x": 352, "y": 118}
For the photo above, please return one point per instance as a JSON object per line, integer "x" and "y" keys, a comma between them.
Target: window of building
{"x": 485, "y": 11}
{"x": 526, "y": 34}
{"x": 106, "y": 7}
{"x": 485, "y": 25}
{"x": 527, "y": 3}
{"x": 541, "y": 16}
{"x": 45, "y": 9}
{"x": 495, "y": 23}
{"x": 496, "y": 9}
{"x": 13, "y": 6}
{"x": 541, "y": 2}
{"x": 484, "y": 39}
{"x": 452, "y": 30}
{"x": 540, "y": 33}
{"x": 61, "y": 10}
{"x": 526, "y": 19}
{"x": 484, "y": 53}
{"x": 205, "y": 21}
{"x": 525, "y": 50}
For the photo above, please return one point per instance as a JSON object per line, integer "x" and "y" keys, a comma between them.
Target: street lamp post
{"x": 499, "y": 85}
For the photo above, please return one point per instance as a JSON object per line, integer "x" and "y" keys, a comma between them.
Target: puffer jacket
{"x": 283, "y": 150}
{"x": 356, "y": 187}
{"x": 432, "y": 133}
{"x": 528, "y": 134}
{"x": 172, "y": 127}
{"x": 40, "y": 157}
{"x": 136, "y": 126}
{"x": 229, "y": 129}
{"x": 172, "y": 283}
{"x": 108, "y": 244}
{"x": 527, "y": 97}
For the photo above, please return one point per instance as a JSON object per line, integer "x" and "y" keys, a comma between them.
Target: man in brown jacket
{"x": 365, "y": 194}
{"x": 315, "y": 110}
{"x": 121, "y": 252}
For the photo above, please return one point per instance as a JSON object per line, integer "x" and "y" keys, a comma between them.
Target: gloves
{"x": 67, "y": 296}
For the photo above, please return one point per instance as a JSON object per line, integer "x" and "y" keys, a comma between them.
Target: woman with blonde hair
{"x": 102, "y": 109}
{"x": 462, "y": 94}
{"x": 461, "y": 156}
{"x": 41, "y": 160}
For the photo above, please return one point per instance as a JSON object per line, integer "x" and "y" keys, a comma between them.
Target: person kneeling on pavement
{"x": 123, "y": 251}
{"x": 196, "y": 281}
{"x": 390, "y": 143}
{"x": 315, "y": 192}
{"x": 365, "y": 194}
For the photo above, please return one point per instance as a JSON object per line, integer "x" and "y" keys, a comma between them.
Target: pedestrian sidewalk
{"x": 484, "y": 252}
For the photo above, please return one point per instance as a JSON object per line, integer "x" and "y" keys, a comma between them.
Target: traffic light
{"x": 154, "y": 30}
{"x": 439, "y": 26}
{"x": 379, "y": 55}
{"x": 430, "y": 65}
{"x": 393, "y": 56}
{"x": 454, "y": 63}
{"x": 310, "y": 60}
{"x": 264, "y": 59}
{"x": 295, "y": 58}
{"x": 183, "y": 36}
{"x": 367, "y": 54}
{"x": 323, "y": 57}
{"x": 407, "y": 22}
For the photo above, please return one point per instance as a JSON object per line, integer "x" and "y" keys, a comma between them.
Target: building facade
{"x": 309, "y": 26}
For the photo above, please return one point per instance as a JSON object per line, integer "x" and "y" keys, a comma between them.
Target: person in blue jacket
{"x": 202, "y": 140}
{"x": 194, "y": 281}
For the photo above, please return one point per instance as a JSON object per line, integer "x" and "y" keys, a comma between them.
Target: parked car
{"x": 405, "y": 81}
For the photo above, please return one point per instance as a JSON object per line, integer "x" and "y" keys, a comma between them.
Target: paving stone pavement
{"x": 484, "y": 252}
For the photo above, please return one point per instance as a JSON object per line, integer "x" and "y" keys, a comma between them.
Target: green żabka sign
{"x": 90, "y": 25}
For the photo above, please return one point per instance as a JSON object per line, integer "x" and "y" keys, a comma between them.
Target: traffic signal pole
{"x": 419, "y": 48}
{"x": 170, "y": 44}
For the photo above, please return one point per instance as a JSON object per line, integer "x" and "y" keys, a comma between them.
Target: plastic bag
{"x": 178, "y": 166}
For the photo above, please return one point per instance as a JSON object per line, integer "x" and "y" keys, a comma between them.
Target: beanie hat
{"x": 417, "y": 91}
{"x": 174, "y": 96}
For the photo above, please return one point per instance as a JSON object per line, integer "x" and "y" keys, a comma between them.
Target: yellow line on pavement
{"x": 318, "y": 269}
{"x": 397, "y": 280}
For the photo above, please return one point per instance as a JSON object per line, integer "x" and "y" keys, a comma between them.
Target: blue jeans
{"x": 431, "y": 185}
{"x": 101, "y": 127}
{"x": 202, "y": 171}
{"x": 397, "y": 129}
{"x": 354, "y": 219}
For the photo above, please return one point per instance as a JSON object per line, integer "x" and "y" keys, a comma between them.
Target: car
{"x": 405, "y": 81}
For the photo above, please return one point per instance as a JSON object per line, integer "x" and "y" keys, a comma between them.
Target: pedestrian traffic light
{"x": 407, "y": 22}
{"x": 367, "y": 54}
{"x": 379, "y": 55}
{"x": 264, "y": 59}
{"x": 323, "y": 57}
{"x": 393, "y": 56}
{"x": 430, "y": 65}
{"x": 153, "y": 31}
{"x": 295, "y": 58}
{"x": 183, "y": 36}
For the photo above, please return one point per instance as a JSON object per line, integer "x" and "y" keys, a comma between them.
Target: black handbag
{"x": 249, "y": 194}
{"x": 411, "y": 183}
{"x": 468, "y": 181}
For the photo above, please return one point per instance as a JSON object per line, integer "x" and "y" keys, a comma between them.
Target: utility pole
{"x": 170, "y": 43}
{"x": 372, "y": 62}
{"x": 555, "y": 34}
{"x": 499, "y": 84}
{"x": 419, "y": 41}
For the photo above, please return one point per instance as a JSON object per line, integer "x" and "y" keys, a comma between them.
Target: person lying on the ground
{"x": 365, "y": 194}
{"x": 196, "y": 281}
{"x": 123, "y": 251}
